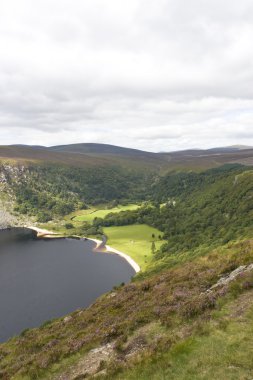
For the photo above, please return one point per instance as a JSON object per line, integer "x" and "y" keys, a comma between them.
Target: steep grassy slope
{"x": 223, "y": 349}
{"x": 157, "y": 322}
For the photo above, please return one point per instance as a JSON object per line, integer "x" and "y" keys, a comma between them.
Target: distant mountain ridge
{"x": 91, "y": 148}
{"x": 99, "y": 148}
{"x": 93, "y": 154}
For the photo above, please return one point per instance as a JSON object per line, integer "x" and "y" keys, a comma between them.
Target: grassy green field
{"x": 135, "y": 241}
{"x": 91, "y": 214}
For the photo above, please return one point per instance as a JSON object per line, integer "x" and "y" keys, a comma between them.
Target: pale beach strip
{"x": 99, "y": 245}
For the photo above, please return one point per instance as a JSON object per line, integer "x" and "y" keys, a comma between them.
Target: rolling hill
{"x": 83, "y": 155}
{"x": 101, "y": 149}
{"x": 88, "y": 154}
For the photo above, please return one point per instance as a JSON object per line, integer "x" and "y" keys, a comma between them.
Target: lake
{"x": 42, "y": 279}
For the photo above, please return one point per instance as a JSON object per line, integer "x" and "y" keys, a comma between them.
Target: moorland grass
{"x": 224, "y": 351}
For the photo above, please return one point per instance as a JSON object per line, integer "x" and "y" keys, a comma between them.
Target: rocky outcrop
{"x": 6, "y": 219}
{"x": 13, "y": 173}
{"x": 8, "y": 175}
{"x": 223, "y": 281}
{"x": 91, "y": 365}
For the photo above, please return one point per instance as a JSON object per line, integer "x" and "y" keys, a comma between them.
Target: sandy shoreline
{"x": 107, "y": 248}
{"x": 99, "y": 243}
{"x": 130, "y": 261}
{"x": 43, "y": 233}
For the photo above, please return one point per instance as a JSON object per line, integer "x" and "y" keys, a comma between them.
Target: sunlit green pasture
{"x": 91, "y": 214}
{"x": 135, "y": 240}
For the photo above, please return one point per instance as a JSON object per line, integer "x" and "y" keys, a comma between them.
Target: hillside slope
{"x": 148, "y": 328}
{"x": 195, "y": 211}
{"x": 188, "y": 316}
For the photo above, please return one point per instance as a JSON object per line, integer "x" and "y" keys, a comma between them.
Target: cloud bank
{"x": 158, "y": 76}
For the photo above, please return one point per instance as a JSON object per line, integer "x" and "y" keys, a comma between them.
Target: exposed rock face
{"x": 6, "y": 219}
{"x": 9, "y": 174}
{"x": 91, "y": 365}
{"x": 67, "y": 319}
{"x": 231, "y": 276}
{"x": 14, "y": 173}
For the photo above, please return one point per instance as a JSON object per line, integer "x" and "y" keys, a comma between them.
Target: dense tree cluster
{"x": 194, "y": 209}
{"x": 53, "y": 190}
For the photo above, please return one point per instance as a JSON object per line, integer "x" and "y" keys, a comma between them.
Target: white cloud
{"x": 157, "y": 75}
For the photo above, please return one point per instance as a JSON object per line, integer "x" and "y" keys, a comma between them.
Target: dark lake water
{"x": 45, "y": 279}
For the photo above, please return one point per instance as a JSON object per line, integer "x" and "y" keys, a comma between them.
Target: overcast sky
{"x": 156, "y": 75}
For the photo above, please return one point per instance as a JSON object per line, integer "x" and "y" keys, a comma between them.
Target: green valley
{"x": 188, "y": 313}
